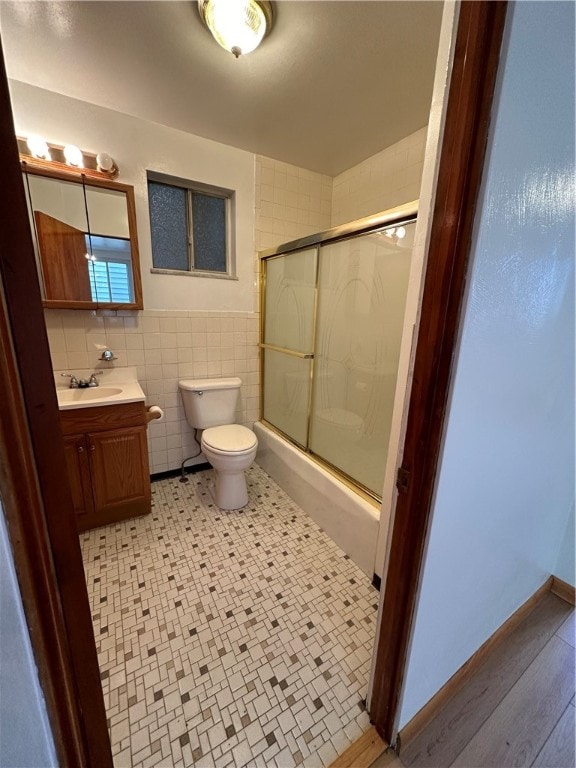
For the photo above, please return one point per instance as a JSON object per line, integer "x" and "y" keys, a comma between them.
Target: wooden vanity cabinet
{"x": 107, "y": 462}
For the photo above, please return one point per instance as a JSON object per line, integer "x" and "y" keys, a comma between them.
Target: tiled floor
{"x": 228, "y": 638}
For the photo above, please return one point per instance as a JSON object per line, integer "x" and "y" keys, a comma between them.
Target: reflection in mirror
{"x": 59, "y": 220}
{"x": 109, "y": 246}
{"x": 86, "y": 245}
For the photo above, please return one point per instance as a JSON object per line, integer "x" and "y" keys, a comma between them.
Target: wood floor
{"x": 516, "y": 710}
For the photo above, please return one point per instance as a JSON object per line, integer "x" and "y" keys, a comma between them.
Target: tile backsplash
{"x": 165, "y": 346}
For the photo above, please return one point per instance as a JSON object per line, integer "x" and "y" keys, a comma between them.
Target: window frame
{"x": 191, "y": 187}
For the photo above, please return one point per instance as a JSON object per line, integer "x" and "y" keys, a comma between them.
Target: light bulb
{"x": 237, "y": 26}
{"x": 104, "y": 162}
{"x": 400, "y": 233}
{"x": 38, "y": 147}
{"x": 73, "y": 155}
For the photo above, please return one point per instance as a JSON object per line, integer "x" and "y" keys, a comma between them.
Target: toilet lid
{"x": 231, "y": 437}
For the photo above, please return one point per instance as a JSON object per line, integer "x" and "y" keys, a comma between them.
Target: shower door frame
{"x": 400, "y": 215}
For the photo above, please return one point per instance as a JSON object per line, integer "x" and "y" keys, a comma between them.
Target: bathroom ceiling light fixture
{"x": 35, "y": 151}
{"x": 239, "y": 26}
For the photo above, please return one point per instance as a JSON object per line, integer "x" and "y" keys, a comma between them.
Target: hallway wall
{"x": 25, "y": 734}
{"x": 505, "y": 490}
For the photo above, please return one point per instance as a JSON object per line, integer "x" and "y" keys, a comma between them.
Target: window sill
{"x": 197, "y": 273}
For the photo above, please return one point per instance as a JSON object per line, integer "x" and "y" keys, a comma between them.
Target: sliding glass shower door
{"x": 333, "y": 322}
{"x": 288, "y": 341}
{"x": 362, "y": 287}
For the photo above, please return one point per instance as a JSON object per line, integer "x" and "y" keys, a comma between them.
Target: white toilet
{"x": 210, "y": 405}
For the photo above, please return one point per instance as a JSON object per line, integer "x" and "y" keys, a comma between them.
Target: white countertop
{"x": 115, "y": 387}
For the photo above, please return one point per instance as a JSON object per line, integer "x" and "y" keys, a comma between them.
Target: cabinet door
{"x": 120, "y": 474}
{"x": 76, "y": 453}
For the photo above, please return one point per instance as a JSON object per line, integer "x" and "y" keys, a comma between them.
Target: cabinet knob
{"x": 92, "y": 447}
{"x": 80, "y": 449}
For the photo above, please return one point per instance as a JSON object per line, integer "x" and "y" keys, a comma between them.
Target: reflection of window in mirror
{"x": 110, "y": 269}
{"x": 85, "y": 239}
{"x": 108, "y": 246}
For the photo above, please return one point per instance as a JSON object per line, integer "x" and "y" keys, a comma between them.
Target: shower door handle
{"x": 301, "y": 355}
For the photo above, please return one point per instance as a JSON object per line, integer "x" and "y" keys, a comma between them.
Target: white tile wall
{"x": 387, "y": 179}
{"x": 165, "y": 346}
{"x": 291, "y": 202}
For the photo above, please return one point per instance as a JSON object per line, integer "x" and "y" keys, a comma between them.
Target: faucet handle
{"x": 73, "y": 380}
{"x": 93, "y": 381}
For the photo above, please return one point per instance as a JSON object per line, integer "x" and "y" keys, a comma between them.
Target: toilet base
{"x": 229, "y": 490}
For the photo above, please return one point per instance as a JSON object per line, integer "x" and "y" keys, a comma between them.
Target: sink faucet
{"x": 76, "y": 383}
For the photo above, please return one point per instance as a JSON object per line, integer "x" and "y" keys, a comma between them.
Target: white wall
{"x": 505, "y": 490}
{"x": 387, "y": 179}
{"x": 25, "y": 735}
{"x": 137, "y": 146}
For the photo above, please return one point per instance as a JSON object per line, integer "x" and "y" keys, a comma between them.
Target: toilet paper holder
{"x": 154, "y": 413}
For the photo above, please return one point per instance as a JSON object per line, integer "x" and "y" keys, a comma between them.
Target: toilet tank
{"x": 210, "y": 402}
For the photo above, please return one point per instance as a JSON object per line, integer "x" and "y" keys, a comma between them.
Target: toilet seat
{"x": 229, "y": 439}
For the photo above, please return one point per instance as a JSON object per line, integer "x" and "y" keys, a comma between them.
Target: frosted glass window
{"x": 169, "y": 226}
{"x": 209, "y": 232}
{"x": 189, "y": 226}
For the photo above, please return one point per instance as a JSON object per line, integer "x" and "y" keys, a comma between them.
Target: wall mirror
{"x": 85, "y": 240}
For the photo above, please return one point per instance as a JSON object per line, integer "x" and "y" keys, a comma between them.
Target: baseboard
{"x": 362, "y": 753}
{"x": 177, "y": 472}
{"x": 440, "y": 699}
{"x": 563, "y": 590}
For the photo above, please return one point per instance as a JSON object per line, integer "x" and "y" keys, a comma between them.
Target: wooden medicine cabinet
{"x": 85, "y": 240}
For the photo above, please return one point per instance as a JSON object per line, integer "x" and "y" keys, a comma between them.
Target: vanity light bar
{"x": 36, "y": 152}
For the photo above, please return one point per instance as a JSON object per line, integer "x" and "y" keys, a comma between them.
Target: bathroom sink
{"x": 88, "y": 393}
{"x": 117, "y": 387}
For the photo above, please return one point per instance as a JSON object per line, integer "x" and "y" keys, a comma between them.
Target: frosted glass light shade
{"x": 237, "y": 25}
{"x": 73, "y": 155}
{"x": 38, "y": 147}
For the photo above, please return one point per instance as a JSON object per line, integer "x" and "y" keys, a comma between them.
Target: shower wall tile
{"x": 291, "y": 202}
{"x": 165, "y": 346}
{"x": 387, "y": 179}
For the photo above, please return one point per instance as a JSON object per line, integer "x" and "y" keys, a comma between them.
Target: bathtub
{"x": 349, "y": 520}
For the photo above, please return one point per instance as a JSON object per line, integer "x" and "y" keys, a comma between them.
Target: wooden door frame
{"x": 38, "y": 505}
{"x": 476, "y": 56}
{"x": 34, "y": 489}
